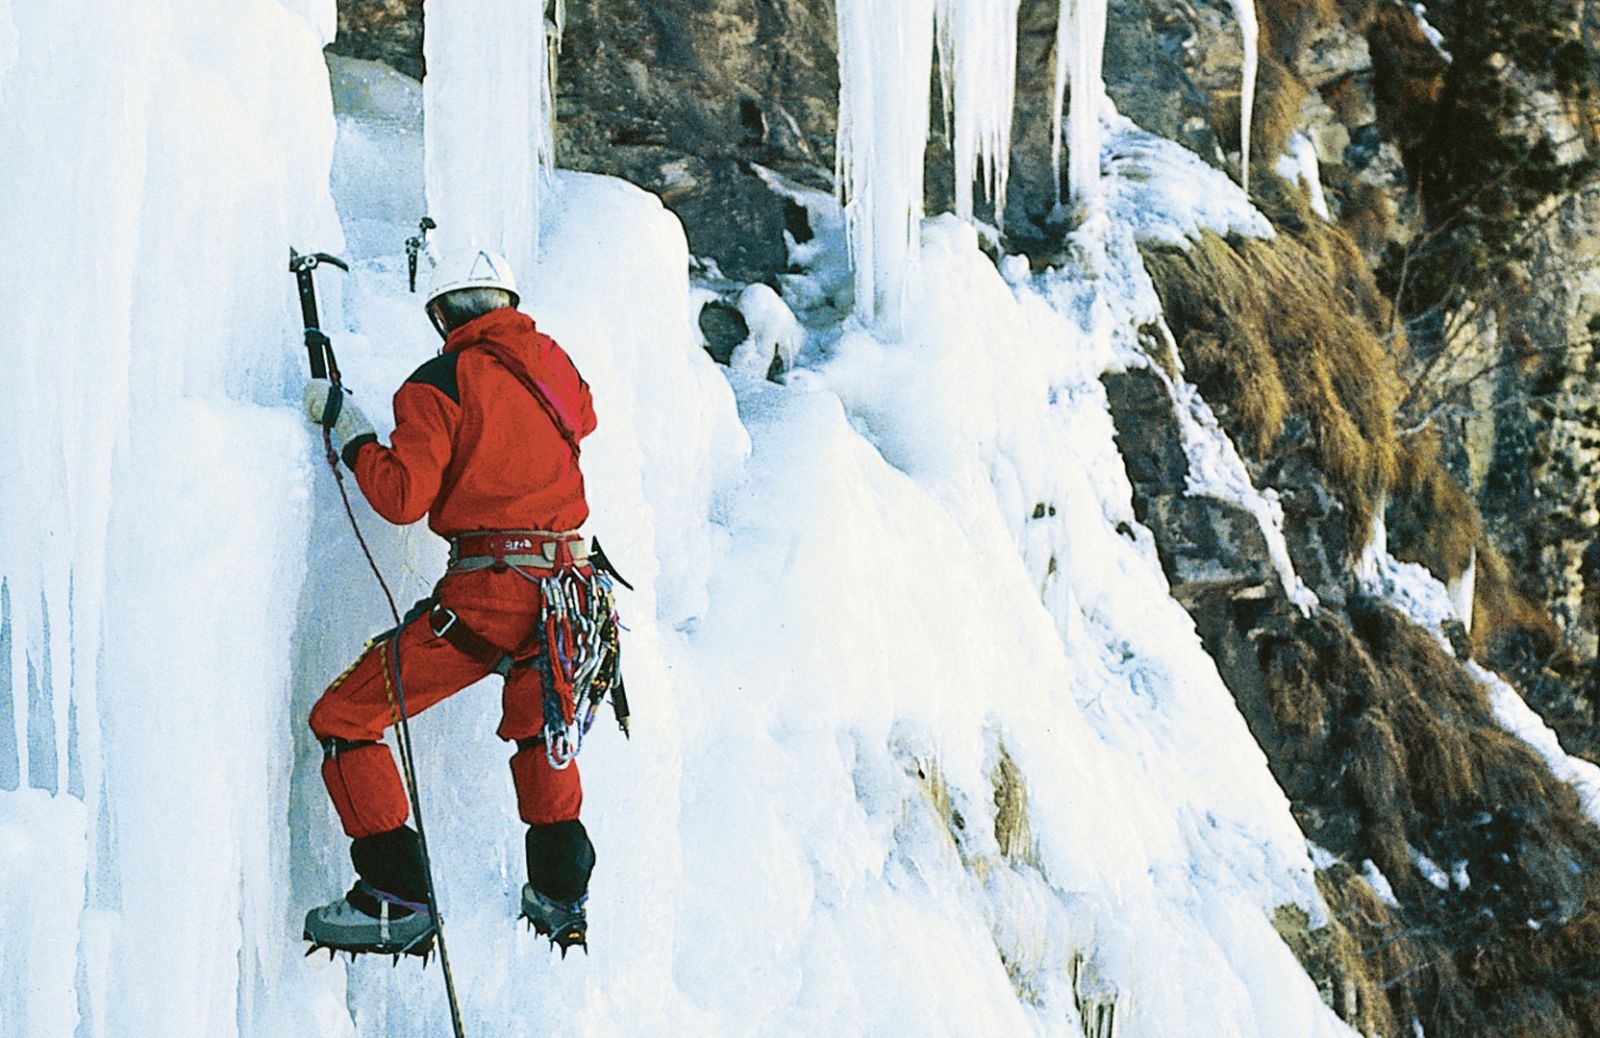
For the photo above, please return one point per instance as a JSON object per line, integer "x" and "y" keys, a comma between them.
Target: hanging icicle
{"x": 1080, "y": 54}
{"x": 885, "y": 61}
{"x": 489, "y": 137}
{"x": 977, "y": 44}
{"x": 1249, "y": 32}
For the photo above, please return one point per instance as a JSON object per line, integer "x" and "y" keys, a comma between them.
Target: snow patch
{"x": 1166, "y": 195}
{"x": 774, "y": 332}
{"x": 1520, "y": 720}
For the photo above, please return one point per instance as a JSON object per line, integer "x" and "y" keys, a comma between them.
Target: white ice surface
{"x": 977, "y": 45}
{"x": 1080, "y": 56}
{"x": 1300, "y": 163}
{"x": 489, "y": 130}
{"x": 773, "y": 332}
{"x": 1249, "y": 39}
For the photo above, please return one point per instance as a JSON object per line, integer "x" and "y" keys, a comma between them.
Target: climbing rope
{"x": 397, "y": 713}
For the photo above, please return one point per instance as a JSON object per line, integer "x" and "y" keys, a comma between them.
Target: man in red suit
{"x": 485, "y": 445}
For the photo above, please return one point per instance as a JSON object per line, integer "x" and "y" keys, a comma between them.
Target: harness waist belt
{"x": 528, "y": 549}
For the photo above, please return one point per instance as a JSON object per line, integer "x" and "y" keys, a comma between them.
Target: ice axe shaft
{"x": 319, "y": 348}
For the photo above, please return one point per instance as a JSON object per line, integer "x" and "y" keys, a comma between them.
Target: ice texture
{"x": 977, "y": 43}
{"x": 868, "y": 598}
{"x": 160, "y": 163}
{"x": 1249, "y": 40}
{"x": 489, "y": 122}
{"x": 1080, "y": 56}
{"x": 885, "y": 63}
{"x": 1300, "y": 163}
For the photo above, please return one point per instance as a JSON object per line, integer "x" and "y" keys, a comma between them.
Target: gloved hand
{"x": 329, "y": 406}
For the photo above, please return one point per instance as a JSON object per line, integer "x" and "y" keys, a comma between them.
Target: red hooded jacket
{"x": 472, "y": 447}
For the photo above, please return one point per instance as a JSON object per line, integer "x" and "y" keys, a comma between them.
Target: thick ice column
{"x": 977, "y": 42}
{"x": 1080, "y": 54}
{"x": 885, "y": 65}
{"x": 488, "y": 134}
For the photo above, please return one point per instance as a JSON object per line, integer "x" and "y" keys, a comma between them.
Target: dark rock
{"x": 1206, "y": 545}
{"x": 1147, "y": 434}
{"x": 724, "y": 328}
{"x": 382, "y": 30}
{"x": 1209, "y": 545}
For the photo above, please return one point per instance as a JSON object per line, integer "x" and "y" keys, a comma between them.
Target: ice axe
{"x": 416, "y": 245}
{"x": 318, "y": 345}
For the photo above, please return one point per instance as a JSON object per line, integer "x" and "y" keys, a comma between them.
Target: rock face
{"x": 382, "y": 30}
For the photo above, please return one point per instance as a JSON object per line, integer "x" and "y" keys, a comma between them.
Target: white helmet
{"x": 472, "y": 268}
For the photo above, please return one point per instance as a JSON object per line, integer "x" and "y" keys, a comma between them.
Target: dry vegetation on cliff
{"x": 1389, "y": 750}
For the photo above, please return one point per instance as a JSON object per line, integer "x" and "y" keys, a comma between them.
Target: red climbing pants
{"x": 362, "y": 779}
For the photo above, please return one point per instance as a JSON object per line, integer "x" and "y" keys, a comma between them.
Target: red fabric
{"x": 366, "y": 790}
{"x": 545, "y": 796}
{"x": 504, "y": 608}
{"x": 494, "y": 461}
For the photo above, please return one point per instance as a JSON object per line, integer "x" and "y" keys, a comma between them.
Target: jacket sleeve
{"x": 402, "y": 480}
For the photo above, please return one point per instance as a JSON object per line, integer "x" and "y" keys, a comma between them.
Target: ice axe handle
{"x": 319, "y": 348}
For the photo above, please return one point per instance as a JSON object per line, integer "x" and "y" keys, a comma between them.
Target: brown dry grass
{"x": 1270, "y": 328}
{"x": 1391, "y": 731}
{"x": 1501, "y": 610}
{"x": 1012, "y": 830}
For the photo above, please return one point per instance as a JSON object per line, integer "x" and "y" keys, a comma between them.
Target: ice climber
{"x": 485, "y": 444}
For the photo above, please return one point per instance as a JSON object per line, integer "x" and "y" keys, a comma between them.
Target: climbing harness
{"x": 323, "y": 365}
{"x": 575, "y": 648}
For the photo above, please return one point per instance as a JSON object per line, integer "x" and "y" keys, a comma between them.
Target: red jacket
{"x": 472, "y": 448}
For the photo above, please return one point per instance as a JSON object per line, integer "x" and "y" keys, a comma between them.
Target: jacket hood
{"x": 505, "y": 326}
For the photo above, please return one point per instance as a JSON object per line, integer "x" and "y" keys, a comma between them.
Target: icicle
{"x": 885, "y": 59}
{"x": 1249, "y": 32}
{"x": 977, "y": 42}
{"x": 1300, "y": 163}
{"x": 489, "y": 138}
{"x": 1463, "y": 590}
{"x": 1080, "y": 54}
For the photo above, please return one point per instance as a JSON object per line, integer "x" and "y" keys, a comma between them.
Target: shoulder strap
{"x": 532, "y": 385}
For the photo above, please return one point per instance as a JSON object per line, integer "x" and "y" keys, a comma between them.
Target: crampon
{"x": 342, "y": 927}
{"x": 564, "y": 923}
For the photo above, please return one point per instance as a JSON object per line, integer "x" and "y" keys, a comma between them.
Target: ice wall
{"x": 490, "y": 144}
{"x": 159, "y": 162}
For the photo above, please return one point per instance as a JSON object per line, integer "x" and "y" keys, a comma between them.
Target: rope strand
{"x": 397, "y": 712}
